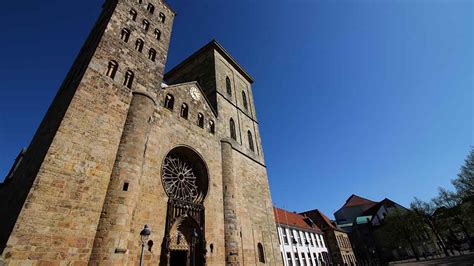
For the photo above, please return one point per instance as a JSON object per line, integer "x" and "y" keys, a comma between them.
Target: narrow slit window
{"x": 125, "y": 186}
{"x": 233, "y": 135}
{"x": 112, "y": 69}
{"x": 150, "y": 8}
{"x": 169, "y": 102}
{"x": 200, "y": 120}
{"x": 133, "y": 14}
{"x": 212, "y": 127}
{"x": 261, "y": 254}
{"x": 125, "y": 35}
{"x": 244, "y": 100}
{"x": 250, "y": 138}
{"x": 157, "y": 34}
{"x": 145, "y": 25}
{"x": 228, "y": 86}
{"x": 152, "y": 54}
{"x": 184, "y": 111}
{"x": 139, "y": 45}
{"x": 128, "y": 81}
{"x": 162, "y": 17}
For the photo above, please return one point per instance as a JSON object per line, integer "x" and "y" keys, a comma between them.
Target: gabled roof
{"x": 385, "y": 202}
{"x": 355, "y": 200}
{"x": 293, "y": 220}
{"x": 216, "y": 46}
{"x": 374, "y": 209}
{"x": 324, "y": 219}
{"x": 200, "y": 90}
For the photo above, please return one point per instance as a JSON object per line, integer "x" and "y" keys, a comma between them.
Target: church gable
{"x": 188, "y": 102}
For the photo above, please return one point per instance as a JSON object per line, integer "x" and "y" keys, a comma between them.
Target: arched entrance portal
{"x": 185, "y": 180}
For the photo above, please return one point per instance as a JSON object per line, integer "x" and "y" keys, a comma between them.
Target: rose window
{"x": 184, "y": 175}
{"x": 179, "y": 180}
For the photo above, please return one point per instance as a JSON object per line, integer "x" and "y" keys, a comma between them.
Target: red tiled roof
{"x": 355, "y": 200}
{"x": 293, "y": 219}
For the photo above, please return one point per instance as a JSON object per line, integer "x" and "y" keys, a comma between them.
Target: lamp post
{"x": 144, "y": 235}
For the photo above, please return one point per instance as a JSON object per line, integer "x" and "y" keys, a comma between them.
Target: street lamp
{"x": 144, "y": 235}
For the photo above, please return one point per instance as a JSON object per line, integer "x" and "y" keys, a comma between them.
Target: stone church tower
{"x": 123, "y": 145}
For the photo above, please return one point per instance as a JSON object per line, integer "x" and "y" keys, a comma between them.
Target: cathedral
{"x": 133, "y": 164}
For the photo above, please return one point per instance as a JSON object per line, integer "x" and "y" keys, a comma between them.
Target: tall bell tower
{"x": 72, "y": 196}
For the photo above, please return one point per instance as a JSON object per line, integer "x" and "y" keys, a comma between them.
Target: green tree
{"x": 451, "y": 210}
{"x": 401, "y": 228}
{"x": 464, "y": 184}
{"x": 426, "y": 211}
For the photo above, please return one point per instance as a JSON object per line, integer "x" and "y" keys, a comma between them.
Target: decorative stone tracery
{"x": 185, "y": 180}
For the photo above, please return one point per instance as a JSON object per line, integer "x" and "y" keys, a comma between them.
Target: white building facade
{"x": 301, "y": 241}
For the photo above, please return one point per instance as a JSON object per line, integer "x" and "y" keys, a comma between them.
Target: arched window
{"x": 139, "y": 45}
{"x": 212, "y": 127}
{"x": 261, "y": 255}
{"x": 157, "y": 34}
{"x": 244, "y": 100}
{"x": 200, "y": 121}
{"x": 152, "y": 54}
{"x": 128, "y": 81}
{"x": 250, "y": 138}
{"x": 150, "y": 8}
{"x": 184, "y": 111}
{"x": 162, "y": 17}
{"x": 233, "y": 135}
{"x": 228, "y": 86}
{"x": 133, "y": 14}
{"x": 169, "y": 102}
{"x": 112, "y": 69}
{"x": 125, "y": 35}
{"x": 145, "y": 25}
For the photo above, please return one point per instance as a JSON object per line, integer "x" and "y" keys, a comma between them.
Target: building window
{"x": 133, "y": 14}
{"x": 292, "y": 235}
{"x": 157, "y": 34}
{"x": 285, "y": 236}
{"x": 228, "y": 86}
{"x": 212, "y": 127}
{"x": 150, "y": 8}
{"x": 169, "y": 102}
{"x": 250, "y": 139}
{"x": 152, "y": 54}
{"x": 310, "y": 260}
{"x": 145, "y": 25}
{"x": 303, "y": 259}
{"x": 139, "y": 45}
{"x": 184, "y": 111}
{"x": 297, "y": 259}
{"x": 261, "y": 254}
{"x": 298, "y": 238}
{"x": 125, "y": 35}
{"x": 200, "y": 121}
{"x": 162, "y": 17}
{"x": 140, "y": 1}
{"x": 128, "y": 81}
{"x": 288, "y": 259}
{"x": 112, "y": 69}
{"x": 233, "y": 135}
{"x": 244, "y": 100}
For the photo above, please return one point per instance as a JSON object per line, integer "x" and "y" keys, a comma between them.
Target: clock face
{"x": 195, "y": 93}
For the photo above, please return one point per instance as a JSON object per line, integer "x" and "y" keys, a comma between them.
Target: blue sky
{"x": 367, "y": 97}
